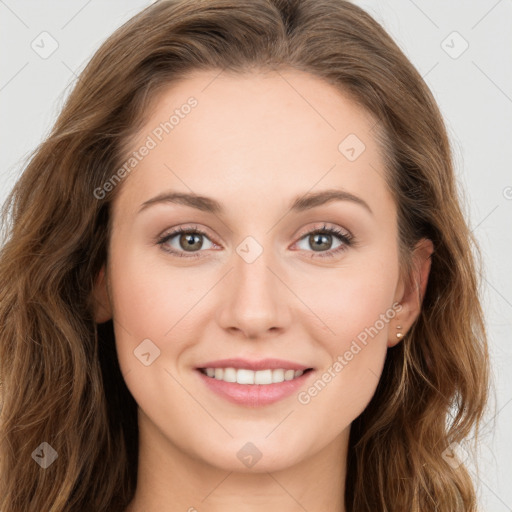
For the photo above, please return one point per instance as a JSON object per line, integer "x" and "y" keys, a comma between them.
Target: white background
{"x": 474, "y": 92}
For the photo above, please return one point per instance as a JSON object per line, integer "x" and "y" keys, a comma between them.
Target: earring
{"x": 399, "y": 334}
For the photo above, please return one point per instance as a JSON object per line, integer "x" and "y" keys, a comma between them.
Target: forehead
{"x": 223, "y": 134}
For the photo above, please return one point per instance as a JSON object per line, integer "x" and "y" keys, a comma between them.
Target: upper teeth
{"x": 243, "y": 376}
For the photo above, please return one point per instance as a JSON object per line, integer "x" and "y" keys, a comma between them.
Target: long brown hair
{"x": 60, "y": 381}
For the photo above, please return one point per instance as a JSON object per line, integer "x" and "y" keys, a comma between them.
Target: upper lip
{"x": 261, "y": 364}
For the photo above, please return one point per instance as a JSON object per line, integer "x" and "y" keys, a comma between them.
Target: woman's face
{"x": 256, "y": 283}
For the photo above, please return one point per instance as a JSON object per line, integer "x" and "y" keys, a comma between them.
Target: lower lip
{"x": 254, "y": 395}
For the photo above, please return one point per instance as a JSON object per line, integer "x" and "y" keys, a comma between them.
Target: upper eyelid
{"x": 328, "y": 226}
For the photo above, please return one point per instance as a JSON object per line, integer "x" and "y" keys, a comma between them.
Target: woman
{"x": 176, "y": 335}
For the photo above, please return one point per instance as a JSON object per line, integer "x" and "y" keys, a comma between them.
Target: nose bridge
{"x": 254, "y": 294}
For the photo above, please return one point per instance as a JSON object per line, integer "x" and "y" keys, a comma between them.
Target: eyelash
{"x": 345, "y": 237}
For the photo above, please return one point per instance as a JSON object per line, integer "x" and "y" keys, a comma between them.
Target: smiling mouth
{"x": 248, "y": 377}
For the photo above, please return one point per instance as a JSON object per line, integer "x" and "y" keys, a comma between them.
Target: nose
{"x": 255, "y": 300}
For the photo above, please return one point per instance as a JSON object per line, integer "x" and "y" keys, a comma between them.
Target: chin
{"x": 257, "y": 456}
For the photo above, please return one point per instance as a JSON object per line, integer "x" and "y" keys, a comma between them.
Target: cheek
{"x": 148, "y": 296}
{"x": 353, "y": 313}
{"x": 349, "y": 301}
{"x": 356, "y": 319}
{"x": 149, "y": 300}
{"x": 158, "y": 302}
{"x": 342, "y": 391}
{"x": 142, "y": 311}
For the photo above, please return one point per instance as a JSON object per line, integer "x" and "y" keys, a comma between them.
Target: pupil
{"x": 188, "y": 240}
{"x": 319, "y": 237}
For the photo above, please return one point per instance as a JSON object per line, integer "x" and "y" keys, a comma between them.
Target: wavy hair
{"x": 60, "y": 381}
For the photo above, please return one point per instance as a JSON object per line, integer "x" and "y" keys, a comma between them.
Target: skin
{"x": 254, "y": 143}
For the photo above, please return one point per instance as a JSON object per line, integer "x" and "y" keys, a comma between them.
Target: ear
{"x": 411, "y": 290}
{"x": 101, "y": 299}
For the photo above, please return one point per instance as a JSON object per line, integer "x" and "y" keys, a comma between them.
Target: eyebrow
{"x": 299, "y": 204}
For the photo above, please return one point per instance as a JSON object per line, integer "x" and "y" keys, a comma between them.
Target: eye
{"x": 189, "y": 240}
{"x": 321, "y": 239}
